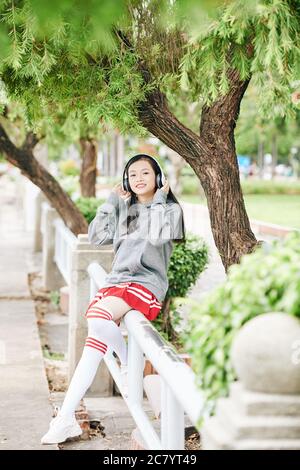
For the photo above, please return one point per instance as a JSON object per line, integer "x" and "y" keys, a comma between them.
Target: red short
{"x": 135, "y": 295}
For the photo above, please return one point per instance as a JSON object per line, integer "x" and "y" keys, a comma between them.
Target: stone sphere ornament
{"x": 266, "y": 354}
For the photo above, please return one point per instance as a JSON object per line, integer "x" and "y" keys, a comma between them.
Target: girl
{"x": 142, "y": 218}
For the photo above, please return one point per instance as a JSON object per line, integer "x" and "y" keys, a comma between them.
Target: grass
{"x": 53, "y": 355}
{"x": 281, "y": 209}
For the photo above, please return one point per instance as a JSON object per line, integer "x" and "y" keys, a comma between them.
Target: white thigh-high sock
{"x": 102, "y": 326}
{"x": 102, "y": 332}
{"x": 84, "y": 374}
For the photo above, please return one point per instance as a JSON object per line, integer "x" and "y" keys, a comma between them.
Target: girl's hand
{"x": 166, "y": 186}
{"x": 123, "y": 194}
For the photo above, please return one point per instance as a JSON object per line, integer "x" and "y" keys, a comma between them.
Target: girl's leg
{"x": 102, "y": 332}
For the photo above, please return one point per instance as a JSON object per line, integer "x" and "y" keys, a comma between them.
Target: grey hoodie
{"x": 141, "y": 255}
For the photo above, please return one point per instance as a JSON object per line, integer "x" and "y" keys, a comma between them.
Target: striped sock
{"x": 102, "y": 326}
{"x": 84, "y": 374}
{"x": 102, "y": 332}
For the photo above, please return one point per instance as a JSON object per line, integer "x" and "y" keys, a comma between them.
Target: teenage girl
{"x": 141, "y": 218}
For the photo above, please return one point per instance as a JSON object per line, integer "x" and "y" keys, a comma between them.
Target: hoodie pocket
{"x": 128, "y": 256}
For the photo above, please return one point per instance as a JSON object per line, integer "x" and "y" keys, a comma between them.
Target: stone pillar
{"x": 31, "y": 191}
{"x": 37, "y": 234}
{"x": 120, "y": 154}
{"x": 82, "y": 255}
{"x": 52, "y": 278}
{"x": 262, "y": 411}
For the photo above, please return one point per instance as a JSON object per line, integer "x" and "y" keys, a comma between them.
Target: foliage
{"x": 187, "y": 262}
{"x": 267, "y": 280}
{"x": 270, "y": 187}
{"x": 249, "y": 186}
{"x": 55, "y": 297}
{"x": 253, "y": 129}
{"x": 88, "y": 207}
{"x": 56, "y": 356}
{"x": 190, "y": 185}
{"x": 260, "y": 39}
{"x": 69, "y": 167}
{"x": 68, "y": 67}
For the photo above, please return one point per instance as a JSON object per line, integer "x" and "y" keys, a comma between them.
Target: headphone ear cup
{"x": 158, "y": 181}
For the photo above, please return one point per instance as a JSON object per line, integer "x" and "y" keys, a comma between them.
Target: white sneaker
{"x": 60, "y": 429}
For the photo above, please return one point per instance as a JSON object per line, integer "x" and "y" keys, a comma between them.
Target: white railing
{"x": 64, "y": 241}
{"x": 179, "y": 393}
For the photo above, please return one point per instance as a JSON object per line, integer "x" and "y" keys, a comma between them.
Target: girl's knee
{"x": 102, "y": 327}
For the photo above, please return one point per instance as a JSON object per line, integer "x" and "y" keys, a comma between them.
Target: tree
{"x": 56, "y": 135}
{"x": 150, "y": 61}
{"x": 23, "y": 158}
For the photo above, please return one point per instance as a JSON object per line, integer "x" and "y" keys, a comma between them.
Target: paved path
{"x": 25, "y": 409}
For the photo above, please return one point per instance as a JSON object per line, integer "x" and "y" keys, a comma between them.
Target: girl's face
{"x": 142, "y": 178}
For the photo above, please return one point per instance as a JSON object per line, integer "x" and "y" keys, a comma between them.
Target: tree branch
{"x": 156, "y": 116}
{"x": 30, "y": 142}
{"x": 23, "y": 159}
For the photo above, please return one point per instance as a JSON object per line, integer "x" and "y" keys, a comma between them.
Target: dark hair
{"x": 131, "y": 221}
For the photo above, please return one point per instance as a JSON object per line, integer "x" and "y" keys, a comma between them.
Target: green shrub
{"x": 190, "y": 185}
{"x": 88, "y": 206}
{"x": 265, "y": 281}
{"x": 69, "y": 168}
{"x": 187, "y": 262}
{"x": 55, "y": 297}
{"x": 270, "y": 187}
{"x": 53, "y": 355}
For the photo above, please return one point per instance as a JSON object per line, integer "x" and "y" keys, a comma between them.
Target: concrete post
{"x": 262, "y": 411}
{"x": 52, "y": 278}
{"x": 37, "y": 234}
{"x": 83, "y": 254}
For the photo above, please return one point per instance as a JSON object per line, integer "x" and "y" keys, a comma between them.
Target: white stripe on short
{"x": 151, "y": 303}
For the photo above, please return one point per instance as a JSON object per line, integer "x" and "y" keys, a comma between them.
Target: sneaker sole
{"x": 75, "y": 434}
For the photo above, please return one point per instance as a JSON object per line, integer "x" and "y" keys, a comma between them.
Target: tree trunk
{"x": 228, "y": 217}
{"x": 23, "y": 159}
{"x": 167, "y": 326}
{"x": 229, "y": 220}
{"x": 88, "y": 168}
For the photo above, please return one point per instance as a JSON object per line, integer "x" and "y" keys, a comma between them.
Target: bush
{"x": 69, "y": 168}
{"x": 88, "y": 206}
{"x": 190, "y": 185}
{"x": 270, "y": 187}
{"x": 55, "y": 297}
{"x": 265, "y": 281}
{"x": 187, "y": 262}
